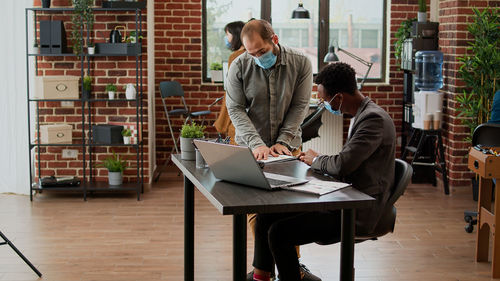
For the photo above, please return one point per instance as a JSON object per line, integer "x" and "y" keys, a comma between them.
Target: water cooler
{"x": 428, "y": 102}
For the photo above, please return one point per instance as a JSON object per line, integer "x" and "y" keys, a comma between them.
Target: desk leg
{"x": 483, "y": 230}
{"x": 239, "y": 247}
{"x": 188, "y": 230}
{"x": 347, "y": 246}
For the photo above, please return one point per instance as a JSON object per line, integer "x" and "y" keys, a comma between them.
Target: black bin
{"x": 107, "y": 134}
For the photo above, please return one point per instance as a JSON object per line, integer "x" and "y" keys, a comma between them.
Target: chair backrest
{"x": 487, "y": 134}
{"x": 311, "y": 124}
{"x": 402, "y": 177}
{"x": 171, "y": 89}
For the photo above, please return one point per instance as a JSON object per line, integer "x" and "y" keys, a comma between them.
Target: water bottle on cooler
{"x": 428, "y": 69}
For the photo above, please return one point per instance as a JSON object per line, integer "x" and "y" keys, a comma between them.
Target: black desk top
{"x": 231, "y": 198}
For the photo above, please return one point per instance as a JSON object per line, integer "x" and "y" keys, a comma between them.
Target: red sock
{"x": 257, "y": 277}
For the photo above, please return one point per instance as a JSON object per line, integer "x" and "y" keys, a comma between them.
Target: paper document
{"x": 277, "y": 158}
{"x": 318, "y": 187}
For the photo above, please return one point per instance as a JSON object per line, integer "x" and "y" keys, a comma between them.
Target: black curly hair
{"x": 338, "y": 77}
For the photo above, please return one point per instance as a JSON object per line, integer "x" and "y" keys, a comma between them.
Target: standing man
{"x": 268, "y": 92}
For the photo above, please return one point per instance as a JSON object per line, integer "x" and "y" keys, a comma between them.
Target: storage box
{"x": 56, "y": 87}
{"x": 107, "y": 134}
{"x": 56, "y": 134}
{"x": 125, "y": 49}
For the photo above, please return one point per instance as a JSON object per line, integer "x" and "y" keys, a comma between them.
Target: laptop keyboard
{"x": 275, "y": 182}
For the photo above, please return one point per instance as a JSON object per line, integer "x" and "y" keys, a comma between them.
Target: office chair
{"x": 487, "y": 134}
{"x": 402, "y": 177}
{"x": 311, "y": 124}
{"x": 174, "y": 89}
{"x": 7, "y": 242}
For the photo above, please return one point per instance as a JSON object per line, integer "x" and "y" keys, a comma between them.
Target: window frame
{"x": 323, "y": 36}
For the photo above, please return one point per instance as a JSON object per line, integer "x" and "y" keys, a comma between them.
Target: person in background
{"x": 232, "y": 40}
{"x": 268, "y": 92}
{"x": 367, "y": 161}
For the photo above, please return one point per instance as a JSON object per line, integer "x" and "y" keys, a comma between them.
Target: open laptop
{"x": 237, "y": 164}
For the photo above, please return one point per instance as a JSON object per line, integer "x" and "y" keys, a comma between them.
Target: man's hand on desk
{"x": 280, "y": 149}
{"x": 262, "y": 152}
{"x": 308, "y": 156}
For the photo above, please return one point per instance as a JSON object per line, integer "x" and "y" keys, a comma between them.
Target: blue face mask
{"x": 328, "y": 107}
{"x": 227, "y": 43}
{"x": 267, "y": 60}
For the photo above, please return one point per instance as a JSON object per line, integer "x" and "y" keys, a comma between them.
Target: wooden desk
{"x": 487, "y": 167}
{"x": 238, "y": 200}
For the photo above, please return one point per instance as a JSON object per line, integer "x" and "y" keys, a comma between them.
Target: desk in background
{"x": 238, "y": 200}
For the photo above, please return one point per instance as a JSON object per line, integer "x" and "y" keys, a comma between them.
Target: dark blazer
{"x": 366, "y": 161}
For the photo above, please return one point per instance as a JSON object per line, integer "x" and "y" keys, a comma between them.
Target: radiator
{"x": 330, "y": 136}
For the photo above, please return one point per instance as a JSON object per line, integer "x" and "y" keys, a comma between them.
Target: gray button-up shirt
{"x": 268, "y": 106}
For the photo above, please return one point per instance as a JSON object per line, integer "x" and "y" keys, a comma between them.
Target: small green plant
{"x": 132, "y": 38}
{"x": 114, "y": 163}
{"x": 422, "y": 6}
{"x": 87, "y": 83}
{"x": 91, "y": 44}
{"x": 126, "y": 132}
{"x": 401, "y": 35}
{"x": 216, "y": 66}
{"x": 111, "y": 88}
{"x": 193, "y": 131}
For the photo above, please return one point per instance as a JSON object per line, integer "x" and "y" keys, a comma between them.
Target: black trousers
{"x": 276, "y": 236}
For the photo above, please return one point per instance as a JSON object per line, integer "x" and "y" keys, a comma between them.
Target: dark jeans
{"x": 277, "y": 234}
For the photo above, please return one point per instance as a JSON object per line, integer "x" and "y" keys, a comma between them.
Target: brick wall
{"x": 178, "y": 57}
{"x": 104, "y": 70}
{"x": 453, "y": 19}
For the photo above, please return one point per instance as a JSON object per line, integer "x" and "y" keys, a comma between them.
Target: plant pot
{"x": 34, "y": 50}
{"x": 126, "y": 140}
{"x": 216, "y": 75}
{"x": 422, "y": 16}
{"x": 115, "y": 178}
{"x": 86, "y": 94}
{"x": 91, "y": 50}
{"x": 111, "y": 95}
{"x": 187, "y": 149}
{"x": 45, "y": 3}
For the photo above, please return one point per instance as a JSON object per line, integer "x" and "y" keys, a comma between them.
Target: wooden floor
{"x": 113, "y": 237}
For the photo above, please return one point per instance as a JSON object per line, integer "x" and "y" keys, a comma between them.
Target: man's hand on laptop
{"x": 262, "y": 152}
{"x": 278, "y": 148}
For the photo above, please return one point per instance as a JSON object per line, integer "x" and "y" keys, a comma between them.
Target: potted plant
{"x": 188, "y": 133}
{"x": 115, "y": 167}
{"x": 35, "y": 49}
{"x": 422, "y": 11}
{"x": 91, "y": 48}
{"x": 111, "y": 89}
{"x": 127, "y": 134}
{"x": 480, "y": 70}
{"x": 132, "y": 37}
{"x": 87, "y": 86}
{"x": 216, "y": 72}
{"x": 83, "y": 14}
{"x": 401, "y": 35}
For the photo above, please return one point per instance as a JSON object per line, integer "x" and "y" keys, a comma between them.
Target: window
{"x": 355, "y": 26}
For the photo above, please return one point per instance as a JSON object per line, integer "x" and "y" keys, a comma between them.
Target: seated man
{"x": 366, "y": 160}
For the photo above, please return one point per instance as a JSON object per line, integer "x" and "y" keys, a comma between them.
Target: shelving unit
{"x": 88, "y": 182}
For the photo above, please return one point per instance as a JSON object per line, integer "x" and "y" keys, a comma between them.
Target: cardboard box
{"x": 56, "y": 87}
{"x": 56, "y": 134}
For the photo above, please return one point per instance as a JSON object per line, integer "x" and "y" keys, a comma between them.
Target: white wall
{"x": 14, "y": 164}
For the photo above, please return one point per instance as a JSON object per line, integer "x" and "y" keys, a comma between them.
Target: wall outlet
{"x": 67, "y": 104}
{"x": 69, "y": 153}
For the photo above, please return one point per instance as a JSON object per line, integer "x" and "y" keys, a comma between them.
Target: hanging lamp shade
{"x": 300, "y": 12}
{"x": 331, "y": 56}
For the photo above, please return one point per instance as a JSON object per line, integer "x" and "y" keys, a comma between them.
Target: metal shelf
{"x": 33, "y": 145}
{"x": 72, "y": 9}
{"x": 92, "y": 186}
{"x": 84, "y": 55}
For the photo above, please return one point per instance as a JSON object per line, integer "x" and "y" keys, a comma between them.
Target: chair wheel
{"x": 467, "y": 219}
{"x": 469, "y": 228}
